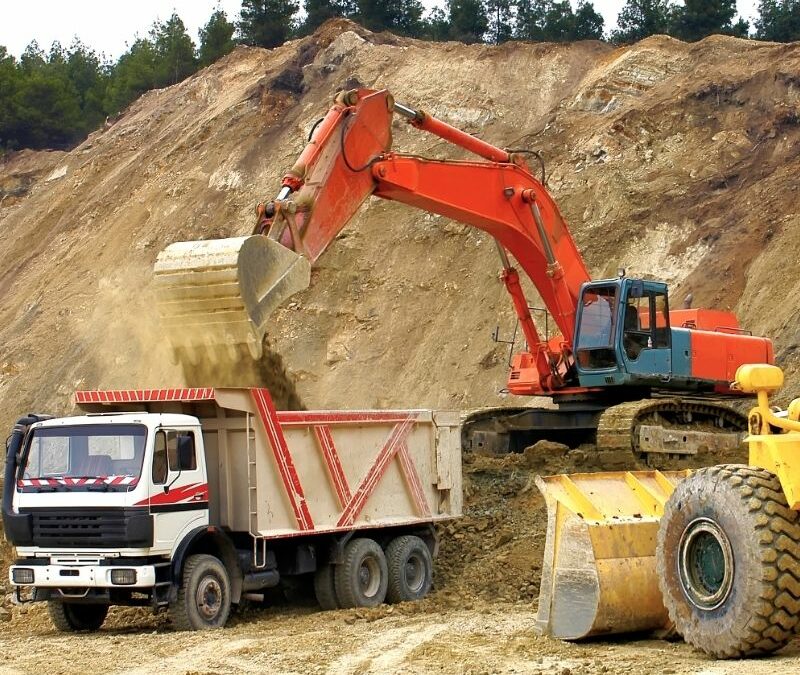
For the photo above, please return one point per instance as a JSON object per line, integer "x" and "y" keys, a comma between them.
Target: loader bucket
{"x": 217, "y": 295}
{"x": 599, "y": 572}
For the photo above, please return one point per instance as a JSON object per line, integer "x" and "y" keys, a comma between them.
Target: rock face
{"x": 675, "y": 161}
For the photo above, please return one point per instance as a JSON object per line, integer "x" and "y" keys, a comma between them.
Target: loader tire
{"x": 325, "y": 588}
{"x": 204, "y": 597}
{"x": 410, "y": 569}
{"x": 69, "y": 617}
{"x": 728, "y": 562}
{"x": 361, "y": 578}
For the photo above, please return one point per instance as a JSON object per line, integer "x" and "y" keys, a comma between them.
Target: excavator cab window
{"x": 645, "y": 323}
{"x": 595, "y": 339}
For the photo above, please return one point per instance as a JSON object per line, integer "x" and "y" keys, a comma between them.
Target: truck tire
{"x": 325, "y": 588}
{"x": 728, "y": 561}
{"x": 204, "y": 596}
{"x": 362, "y": 577}
{"x": 410, "y": 569}
{"x": 71, "y": 617}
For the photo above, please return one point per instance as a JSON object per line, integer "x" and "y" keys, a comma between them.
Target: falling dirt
{"x": 676, "y": 161}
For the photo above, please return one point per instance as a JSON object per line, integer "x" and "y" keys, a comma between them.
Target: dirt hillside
{"x": 675, "y": 161}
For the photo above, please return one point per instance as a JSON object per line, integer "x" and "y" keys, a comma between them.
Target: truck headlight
{"x": 22, "y": 575}
{"x": 123, "y": 577}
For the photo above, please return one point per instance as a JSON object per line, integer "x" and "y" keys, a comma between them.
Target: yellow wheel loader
{"x": 713, "y": 554}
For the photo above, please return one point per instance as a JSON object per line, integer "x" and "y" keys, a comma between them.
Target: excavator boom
{"x": 225, "y": 294}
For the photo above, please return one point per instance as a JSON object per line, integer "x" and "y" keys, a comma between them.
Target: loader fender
{"x": 599, "y": 571}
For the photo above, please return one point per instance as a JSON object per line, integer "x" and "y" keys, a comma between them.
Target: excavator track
{"x": 662, "y": 431}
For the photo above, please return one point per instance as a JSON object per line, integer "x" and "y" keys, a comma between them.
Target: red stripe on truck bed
{"x": 286, "y": 468}
{"x": 394, "y": 442}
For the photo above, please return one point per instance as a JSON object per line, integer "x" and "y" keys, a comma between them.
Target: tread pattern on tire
{"x": 58, "y": 612}
{"x": 324, "y": 587}
{"x": 179, "y": 610}
{"x": 346, "y": 592}
{"x": 774, "y": 595}
{"x": 396, "y": 555}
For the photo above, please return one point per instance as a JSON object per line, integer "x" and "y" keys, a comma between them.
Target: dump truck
{"x": 190, "y": 500}
{"x": 713, "y": 554}
{"x": 627, "y": 372}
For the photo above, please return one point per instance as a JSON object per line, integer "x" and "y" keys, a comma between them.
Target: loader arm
{"x": 348, "y": 158}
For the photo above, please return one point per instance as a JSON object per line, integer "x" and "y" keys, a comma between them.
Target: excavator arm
{"x": 347, "y": 159}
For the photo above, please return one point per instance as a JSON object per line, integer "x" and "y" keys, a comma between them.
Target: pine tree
{"x": 319, "y": 11}
{"x": 266, "y": 23}
{"x": 9, "y": 84}
{"x": 531, "y": 20}
{"x": 134, "y": 73}
{"x": 589, "y": 23}
{"x": 436, "y": 26}
{"x": 467, "y": 19}
{"x": 778, "y": 20}
{"x": 641, "y": 18}
{"x": 399, "y": 16}
{"x": 559, "y": 21}
{"x": 174, "y": 49}
{"x": 216, "y": 38}
{"x": 501, "y": 16}
{"x": 90, "y": 78}
{"x": 700, "y": 18}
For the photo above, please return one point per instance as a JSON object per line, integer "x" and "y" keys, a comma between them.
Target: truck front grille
{"x": 90, "y": 528}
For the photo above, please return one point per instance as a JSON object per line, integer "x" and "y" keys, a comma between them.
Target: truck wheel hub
{"x": 209, "y": 598}
{"x": 369, "y": 577}
{"x": 705, "y": 564}
{"x": 415, "y": 573}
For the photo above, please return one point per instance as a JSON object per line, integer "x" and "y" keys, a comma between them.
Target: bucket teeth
{"x": 215, "y": 297}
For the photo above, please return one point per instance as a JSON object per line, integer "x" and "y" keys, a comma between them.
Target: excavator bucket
{"x": 216, "y": 295}
{"x": 599, "y": 573}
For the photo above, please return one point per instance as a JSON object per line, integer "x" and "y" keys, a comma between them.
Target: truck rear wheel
{"x": 325, "y": 588}
{"x": 70, "y": 617}
{"x": 728, "y": 560}
{"x": 410, "y": 569}
{"x": 361, "y": 578}
{"x": 204, "y": 597}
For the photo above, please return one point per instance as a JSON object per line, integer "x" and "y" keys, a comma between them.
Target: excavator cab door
{"x": 645, "y": 334}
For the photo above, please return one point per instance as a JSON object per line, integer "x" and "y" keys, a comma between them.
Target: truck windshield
{"x": 99, "y": 454}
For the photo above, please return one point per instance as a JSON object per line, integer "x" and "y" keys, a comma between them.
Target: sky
{"x": 108, "y": 26}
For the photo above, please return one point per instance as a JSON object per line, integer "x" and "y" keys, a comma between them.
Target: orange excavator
{"x": 625, "y": 370}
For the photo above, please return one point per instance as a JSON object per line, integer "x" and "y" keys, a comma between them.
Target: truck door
{"x": 646, "y": 336}
{"x": 179, "y": 489}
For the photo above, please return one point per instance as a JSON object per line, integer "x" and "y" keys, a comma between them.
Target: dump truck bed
{"x": 286, "y": 473}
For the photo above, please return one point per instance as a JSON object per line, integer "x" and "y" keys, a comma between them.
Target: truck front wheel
{"x": 69, "y": 617}
{"x": 204, "y": 597}
{"x": 728, "y": 560}
{"x": 410, "y": 569}
{"x": 361, "y": 578}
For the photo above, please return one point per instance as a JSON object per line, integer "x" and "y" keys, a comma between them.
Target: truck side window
{"x": 160, "y": 459}
{"x": 180, "y": 450}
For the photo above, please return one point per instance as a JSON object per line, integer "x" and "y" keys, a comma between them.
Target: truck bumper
{"x": 82, "y": 576}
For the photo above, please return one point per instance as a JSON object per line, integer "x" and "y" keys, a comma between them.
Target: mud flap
{"x": 599, "y": 570}
{"x": 217, "y": 295}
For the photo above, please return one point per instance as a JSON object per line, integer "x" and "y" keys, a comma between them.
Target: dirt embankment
{"x": 673, "y": 160}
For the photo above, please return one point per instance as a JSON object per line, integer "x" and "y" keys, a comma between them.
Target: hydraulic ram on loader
{"x": 188, "y": 499}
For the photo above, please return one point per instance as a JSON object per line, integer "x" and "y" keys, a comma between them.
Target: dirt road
{"x": 491, "y": 638}
{"x": 478, "y": 620}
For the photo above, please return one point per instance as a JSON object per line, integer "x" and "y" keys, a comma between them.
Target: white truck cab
{"x": 187, "y": 500}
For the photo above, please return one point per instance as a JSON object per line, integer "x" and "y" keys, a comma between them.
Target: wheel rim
{"x": 209, "y": 598}
{"x": 414, "y": 571}
{"x": 705, "y": 564}
{"x": 369, "y": 577}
